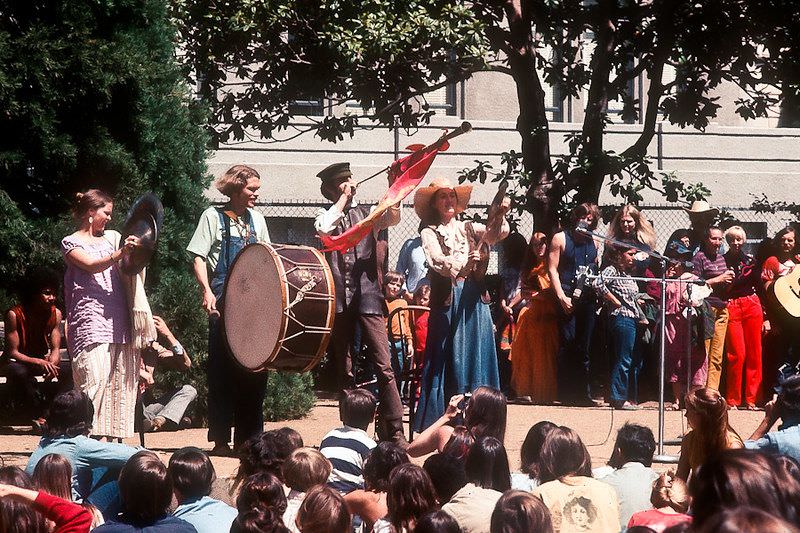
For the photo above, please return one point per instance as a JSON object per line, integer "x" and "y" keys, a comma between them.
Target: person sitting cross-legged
{"x": 167, "y": 410}
{"x": 192, "y": 475}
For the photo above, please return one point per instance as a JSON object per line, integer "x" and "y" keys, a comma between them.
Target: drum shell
{"x": 302, "y": 332}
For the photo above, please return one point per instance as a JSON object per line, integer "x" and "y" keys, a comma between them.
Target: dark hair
{"x": 265, "y": 452}
{"x": 53, "y": 475}
{"x": 487, "y": 465}
{"x": 580, "y": 211}
{"x": 709, "y": 229}
{"x": 783, "y": 231}
{"x": 788, "y": 402}
{"x": 411, "y": 494}
{"x": 518, "y": 510}
{"x": 393, "y": 275}
{"x": 262, "y": 490}
{"x": 563, "y": 454}
{"x": 636, "y": 444}
{"x": 486, "y": 413}
{"x": 145, "y": 489}
{"x": 258, "y": 520}
{"x": 745, "y": 519}
{"x": 532, "y": 445}
{"x": 16, "y": 516}
{"x": 305, "y": 468}
{"x": 380, "y": 463}
{"x": 514, "y": 247}
{"x": 191, "y": 472}
{"x": 292, "y": 436}
{"x": 448, "y": 476}
{"x": 459, "y": 444}
{"x": 323, "y": 511}
{"x": 357, "y": 408}
{"x": 70, "y": 415}
{"x": 740, "y": 477}
{"x": 437, "y": 522}
{"x": 88, "y": 200}
{"x": 34, "y": 282}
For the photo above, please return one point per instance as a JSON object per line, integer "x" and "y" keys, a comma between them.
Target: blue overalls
{"x": 235, "y": 395}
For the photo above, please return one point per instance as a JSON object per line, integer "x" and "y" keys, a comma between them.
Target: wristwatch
{"x": 178, "y": 349}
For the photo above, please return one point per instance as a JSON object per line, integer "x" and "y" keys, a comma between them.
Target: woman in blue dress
{"x": 460, "y": 350}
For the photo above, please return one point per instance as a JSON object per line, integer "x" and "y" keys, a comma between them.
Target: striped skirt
{"x": 109, "y": 375}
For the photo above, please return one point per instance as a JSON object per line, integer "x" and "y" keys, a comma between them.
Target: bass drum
{"x": 279, "y": 307}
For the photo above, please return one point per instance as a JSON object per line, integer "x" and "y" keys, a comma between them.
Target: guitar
{"x": 786, "y": 290}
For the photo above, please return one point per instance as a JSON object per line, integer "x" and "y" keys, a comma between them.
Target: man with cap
{"x": 358, "y": 280}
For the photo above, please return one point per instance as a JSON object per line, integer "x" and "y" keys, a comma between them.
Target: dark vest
{"x": 358, "y": 272}
{"x": 577, "y": 253}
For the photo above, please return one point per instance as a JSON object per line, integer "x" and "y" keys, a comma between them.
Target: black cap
{"x": 334, "y": 172}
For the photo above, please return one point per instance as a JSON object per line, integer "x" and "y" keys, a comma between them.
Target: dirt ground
{"x": 596, "y": 426}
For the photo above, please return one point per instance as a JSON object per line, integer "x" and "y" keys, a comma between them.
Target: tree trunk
{"x": 532, "y": 123}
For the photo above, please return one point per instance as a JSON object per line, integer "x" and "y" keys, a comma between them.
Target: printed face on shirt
{"x": 249, "y": 193}
{"x": 627, "y": 225}
{"x": 100, "y": 217}
{"x": 445, "y": 203}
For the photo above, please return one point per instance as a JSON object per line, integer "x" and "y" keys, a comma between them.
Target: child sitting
{"x": 348, "y": 447}
{"x": 422, "y": 297}
{"x": 670, "y": 499}
{"x": 304, "y": 469}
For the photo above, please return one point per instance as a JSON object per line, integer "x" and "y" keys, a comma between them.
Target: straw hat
{"x": 423, "y": 198}
{"x": 701, "y": 206}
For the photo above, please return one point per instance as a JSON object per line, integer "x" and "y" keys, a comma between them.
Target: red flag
{"x": 408, "y": 173}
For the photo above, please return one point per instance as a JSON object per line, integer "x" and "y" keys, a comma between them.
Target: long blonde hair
{"x": 645, "y": 233}
{"x": 712, "y": 417}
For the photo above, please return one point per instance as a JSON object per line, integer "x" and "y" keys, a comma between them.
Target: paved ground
{"x": 596, "y": 426}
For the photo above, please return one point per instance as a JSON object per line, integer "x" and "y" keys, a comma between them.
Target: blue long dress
{"x": 460, "y": 353}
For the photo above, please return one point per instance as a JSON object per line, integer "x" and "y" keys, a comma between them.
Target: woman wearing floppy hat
{"x": 460, "y": 351}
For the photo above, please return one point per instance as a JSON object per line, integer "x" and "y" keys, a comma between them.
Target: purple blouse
{"x": 707, "y": 268}
{"x": 97, "y": 307}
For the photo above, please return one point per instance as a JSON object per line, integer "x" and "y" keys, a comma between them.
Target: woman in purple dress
{"x": 105, "y": 364}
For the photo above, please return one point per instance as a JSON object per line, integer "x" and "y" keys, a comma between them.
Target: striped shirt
{"x": 346, "y": 448}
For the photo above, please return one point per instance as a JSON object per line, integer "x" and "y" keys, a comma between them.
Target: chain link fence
{"x": 293, "y": 223}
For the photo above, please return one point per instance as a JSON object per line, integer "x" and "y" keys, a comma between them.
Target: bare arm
{"x": 168, "y": 357}
{"x": 201, "y": 275}
{"x": 770, "y": 417}
{"x": 80, "y": 259}
{"x": 431, "y": 439}
{"x": 55, "y": 341}
{"x": 12, "y": 348}
{"x": 557, "y": 245}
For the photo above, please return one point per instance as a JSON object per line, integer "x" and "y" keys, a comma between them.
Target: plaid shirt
{"x": 626, "y": 291}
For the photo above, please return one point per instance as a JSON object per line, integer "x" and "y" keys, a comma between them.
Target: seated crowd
{"x": 74, "y": 483}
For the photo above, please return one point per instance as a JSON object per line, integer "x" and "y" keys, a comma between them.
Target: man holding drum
{"x": 235, "y": 395}
{"x": 358, "y": 279}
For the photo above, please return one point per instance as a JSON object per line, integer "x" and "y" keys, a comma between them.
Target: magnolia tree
{"x": 388, "y": 55}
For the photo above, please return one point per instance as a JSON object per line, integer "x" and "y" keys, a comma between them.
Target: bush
{"x": 289, "y": 396}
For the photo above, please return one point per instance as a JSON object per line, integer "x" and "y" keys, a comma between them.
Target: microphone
{"x": 582, "y": 227}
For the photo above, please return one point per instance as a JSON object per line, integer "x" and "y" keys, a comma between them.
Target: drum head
{"x": 253, "y": 307}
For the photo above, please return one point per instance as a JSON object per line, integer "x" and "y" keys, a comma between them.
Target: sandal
{"x": 671, "y": 407}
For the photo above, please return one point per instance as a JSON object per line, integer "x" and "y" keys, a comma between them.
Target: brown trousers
{"x": 373, "y": 334}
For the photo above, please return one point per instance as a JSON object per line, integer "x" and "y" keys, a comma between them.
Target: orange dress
{"x": 533, "y": 352}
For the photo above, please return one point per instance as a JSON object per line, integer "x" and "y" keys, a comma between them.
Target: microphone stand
{"x": 660, "y": 456}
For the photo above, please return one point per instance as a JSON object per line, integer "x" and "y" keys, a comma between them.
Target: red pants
{"x": 743, "y": 349}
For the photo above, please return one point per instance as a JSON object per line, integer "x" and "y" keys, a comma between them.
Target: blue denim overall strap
{"x": 231, "y": 246}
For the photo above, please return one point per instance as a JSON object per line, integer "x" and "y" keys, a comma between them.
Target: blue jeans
{"x": 627, "y": 359}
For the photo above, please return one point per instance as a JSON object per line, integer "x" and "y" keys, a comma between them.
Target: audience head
{"x": 635, "y": 444}
{"x": 323, "y": 511}
{"x": 53, "y": 475}
{"x": 357, "y": 408}
{"x": 788, "y": 402}
{"x": 487, "y": 465}
{"x": 39, "y": 288}
{"x": 628, "y": 223}
{"x": 736, "y": 478}
{"x": 264, "y": 491}
{"x": 145, "y": 488}
{"x": 380, "y": 463}
{"x": 70, "y": 415}
{"x": 305, "y": 468}
{"x": 746, "y": 519}
{"x": 191, "y": 472}
{"x": 437, "y": 522}
{"x": 707, "y": 414}
{"x": 292, "y": 436}
{"x": 532, "y": 445}
{"x": 459, "y": 444}
{"x": 485, "y": 413}
{"x": 447, "y": 476}
{"x": 586, "y": 212}
{"x": 563, "y": 454}
{"x": 518, "y": 510}
{"x": 16, "y": 516}
{"x": 670, "y": 491}
{"x": 265, "y": 453}
{"x": 411, "y": 495}
{"x": 258, "y": 520}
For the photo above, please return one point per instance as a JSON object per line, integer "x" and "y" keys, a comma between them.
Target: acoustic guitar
{"x": 786, "y": 290}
